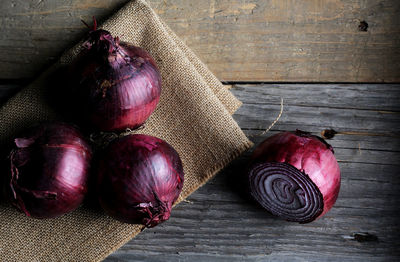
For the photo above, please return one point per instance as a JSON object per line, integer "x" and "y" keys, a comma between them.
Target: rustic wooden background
{"x": 218, "y": 223}
{"x": 253, "y": 40}
{"x": 314, "y": 54}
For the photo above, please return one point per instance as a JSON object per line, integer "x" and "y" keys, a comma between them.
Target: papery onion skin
{"x": 315, "y": 163}
{"x": 49, "y": 170}
{"x": 117, "y": 85}
{"x": 139, "y": 179}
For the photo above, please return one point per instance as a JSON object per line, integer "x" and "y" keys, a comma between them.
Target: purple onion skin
{"x": 314, "y": 186}
{"x": 49, "y": 170}
{"x": 118, "y": 84}
{"x": 139, "y": 179}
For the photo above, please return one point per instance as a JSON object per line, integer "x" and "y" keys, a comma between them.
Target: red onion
{"x": 139, "y": 178}
{"x": 49, "y": 169}
{"x": 117, "y": 84}
{"x": 295, "y": 175}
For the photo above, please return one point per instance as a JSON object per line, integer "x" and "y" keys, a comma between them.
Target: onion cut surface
{"x": 295, "y": 175}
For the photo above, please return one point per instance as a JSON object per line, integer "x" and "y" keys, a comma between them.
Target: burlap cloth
{"x": 194, "y": 115}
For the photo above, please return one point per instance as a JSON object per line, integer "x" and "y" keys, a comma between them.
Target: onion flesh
{"x": 295, "y": 175}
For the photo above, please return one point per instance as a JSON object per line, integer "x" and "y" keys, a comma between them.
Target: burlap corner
{"x": 194, "y": 115}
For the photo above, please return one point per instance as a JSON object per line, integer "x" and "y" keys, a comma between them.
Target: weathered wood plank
{"x": 288, "y": 40}
{"x": 35, "y": 33}
{"x": 359, "y": 110}
{"x": 310, "y": 118}
{"x": 274, "y": 40}
{"x": 349, "y": 96}
{"x": 220, "y": 224}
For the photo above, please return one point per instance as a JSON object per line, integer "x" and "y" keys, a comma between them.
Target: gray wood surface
{"x": 253, "y": 40}
{"x": 261, "y": 41}
{"x": 218, "y": 223}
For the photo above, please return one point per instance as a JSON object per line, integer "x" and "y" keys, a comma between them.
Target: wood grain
{"x": 35, "y": 33}
{"x": 286, "y": 40}
{"x": 218, "y": 223}
{"x": 255, "y": 40}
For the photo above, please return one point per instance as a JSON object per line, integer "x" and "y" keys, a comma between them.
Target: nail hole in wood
{"x": 363, "y": 26}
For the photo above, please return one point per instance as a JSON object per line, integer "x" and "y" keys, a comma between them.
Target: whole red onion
{"x": 117, "y": 85}
{"x": 139, "y": 178}
{"x": 49, "y": 170}
{"x": 295, "y": 175}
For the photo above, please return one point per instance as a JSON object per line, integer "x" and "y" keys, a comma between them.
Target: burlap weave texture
{"x": 194, "y": 115}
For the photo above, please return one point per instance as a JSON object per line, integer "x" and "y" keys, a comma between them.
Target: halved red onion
{"x": 295, "y": 175}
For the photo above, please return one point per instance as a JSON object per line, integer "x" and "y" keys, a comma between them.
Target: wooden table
{"x": 313, "y": 54}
